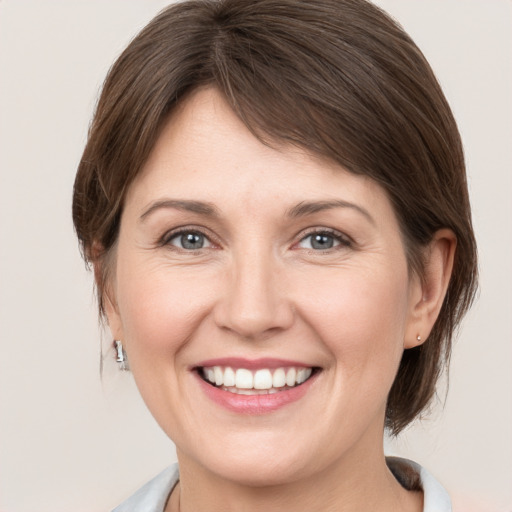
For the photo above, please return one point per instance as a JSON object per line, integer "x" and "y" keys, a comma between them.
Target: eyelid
{"x": 173, "y": 233}
{"x": 344, "y": 239}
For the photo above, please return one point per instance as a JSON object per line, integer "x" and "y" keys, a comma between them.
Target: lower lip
{"x": 255, "y": 404}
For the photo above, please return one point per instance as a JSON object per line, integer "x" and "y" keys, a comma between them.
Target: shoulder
{"x": 413, "y": 476}
{"x": 153, "y": 496}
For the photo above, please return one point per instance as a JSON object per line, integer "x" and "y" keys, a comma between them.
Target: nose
{"x": 254, "y": 304}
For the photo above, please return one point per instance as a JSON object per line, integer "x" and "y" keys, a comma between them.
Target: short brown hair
{"x": 339, "y": 78}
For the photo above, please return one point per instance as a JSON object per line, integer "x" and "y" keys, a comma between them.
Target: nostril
{"x": 254, "y": 305}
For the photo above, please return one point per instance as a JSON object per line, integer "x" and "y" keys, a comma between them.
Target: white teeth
{"x": 219, "y": 375}
{"x": 290, "y": 377}
{"x": 263, "y": 380}
{"x": 243, "y": 379}
{"x": 229, "y": 377}
{"x": 250, "y": 392}
{"x": 279, "y": 378}
{"x": 244, "y": 392}
{"x": 303, "y": 374}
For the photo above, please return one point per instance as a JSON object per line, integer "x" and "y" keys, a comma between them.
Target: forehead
{"x": 205, "y": 152}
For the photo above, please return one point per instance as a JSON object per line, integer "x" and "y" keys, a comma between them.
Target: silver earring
{"x": 121, "y": 358}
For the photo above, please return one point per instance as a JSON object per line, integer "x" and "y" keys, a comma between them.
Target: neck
{"x": 354, "y": 483}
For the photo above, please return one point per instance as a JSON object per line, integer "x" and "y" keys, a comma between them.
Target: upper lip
{"x": 252, "y": 364}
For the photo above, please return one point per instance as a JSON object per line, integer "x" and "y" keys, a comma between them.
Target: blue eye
{"x": 322, "y": 241}
{"x": 189, "y": 241}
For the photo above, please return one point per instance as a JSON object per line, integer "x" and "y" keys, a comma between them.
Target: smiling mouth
{"x": 263, "y": 381}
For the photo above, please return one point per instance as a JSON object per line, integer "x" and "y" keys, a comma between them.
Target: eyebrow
{"x": 301, "y": 209}
{"x": 305, "y": 208}
{"x": 199, "y": 207}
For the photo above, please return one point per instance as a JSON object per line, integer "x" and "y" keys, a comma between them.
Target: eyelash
{"x": 343, "y": 240}
{"x": 170, "y": 235}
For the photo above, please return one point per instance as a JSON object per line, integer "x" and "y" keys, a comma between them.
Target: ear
{"x": 106, "y": 287}
{"x": 112, "y": 312}
{"x": 429, "y": 290}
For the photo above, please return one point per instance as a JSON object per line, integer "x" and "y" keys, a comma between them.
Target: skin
{"x": 257, "y": 288}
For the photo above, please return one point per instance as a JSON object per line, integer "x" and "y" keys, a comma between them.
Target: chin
{"x": 262, "y": 473}
{"x": 256, "y": 464}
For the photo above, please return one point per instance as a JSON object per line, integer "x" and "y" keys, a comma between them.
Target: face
{"x": 263, "y": 298}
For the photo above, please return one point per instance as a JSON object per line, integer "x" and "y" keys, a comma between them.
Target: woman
{"x": 274, "y": 201}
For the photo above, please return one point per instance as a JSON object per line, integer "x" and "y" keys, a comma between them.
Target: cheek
{"x": 160, "y": 306}
{"x": 360, "y": 317}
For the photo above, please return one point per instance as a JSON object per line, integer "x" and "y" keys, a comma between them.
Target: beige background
{"x": 71, "y": 441}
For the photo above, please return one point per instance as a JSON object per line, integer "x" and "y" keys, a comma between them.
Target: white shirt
{"x": 153, "y": 496}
